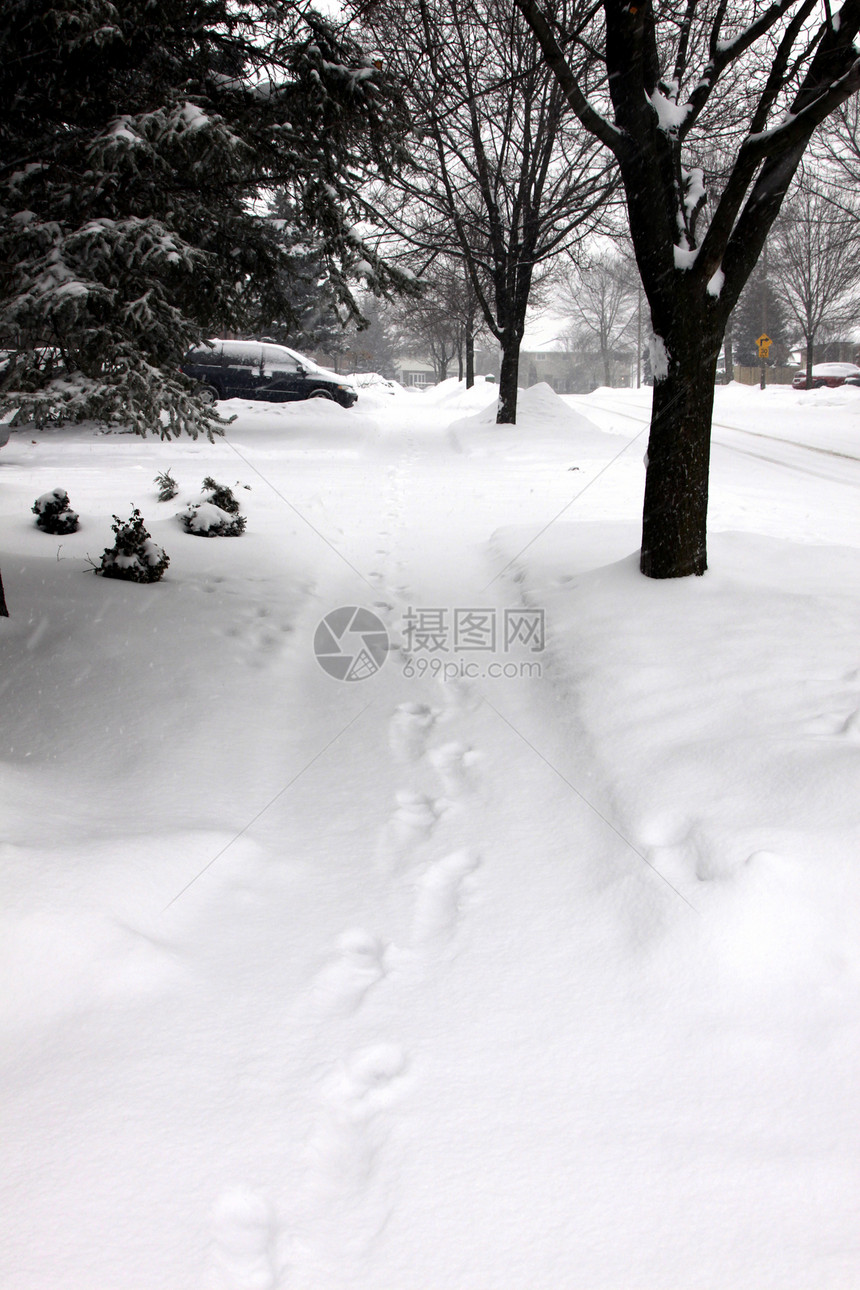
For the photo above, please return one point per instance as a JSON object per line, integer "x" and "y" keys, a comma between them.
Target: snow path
{"x": 365, "y": 990}
{"x": 324, "y": 1050}
{"x": 461, "y": 816}
{"x": 445, "y": 818}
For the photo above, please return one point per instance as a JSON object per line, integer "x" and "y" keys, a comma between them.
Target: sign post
{"x": 764, "y": 343}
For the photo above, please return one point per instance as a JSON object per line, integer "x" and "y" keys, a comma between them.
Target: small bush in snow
{"x": 167, "y": 486}
{"x": 221, "y": 496}
{"x": 134, "y": 556}
{"x": 205, "y": 519}
{"x": 53, "y": 513}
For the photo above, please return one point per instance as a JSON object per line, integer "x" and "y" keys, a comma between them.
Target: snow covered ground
{"x": 523, "y": 962}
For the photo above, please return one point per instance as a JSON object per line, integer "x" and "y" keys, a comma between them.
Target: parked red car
{"x": 826, "y": 374}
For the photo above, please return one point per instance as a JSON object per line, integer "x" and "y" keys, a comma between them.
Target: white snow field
{"x": 499, "y": 967}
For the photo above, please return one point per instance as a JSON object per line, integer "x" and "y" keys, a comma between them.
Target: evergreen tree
{"x": 318, "y": 307}
{"x": 759, "y": 310}
{"x": 376, "y": 346}
{"x": 135, "y": 141}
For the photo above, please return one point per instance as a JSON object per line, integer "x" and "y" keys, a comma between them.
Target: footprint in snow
{"x": 244, "y": 1232}
{"x": 344, "y": 1150}
{"x": 459, "y": 696}
{"x": 359, "y": 964}
{"x": 410, "y": 825}
{"x": 365, "y": 1083}
{"x": 440, "y": 892}
{"x": 454, "y": 764}
{"x": 408, "y": 730}
{"x": 259, "y": 634}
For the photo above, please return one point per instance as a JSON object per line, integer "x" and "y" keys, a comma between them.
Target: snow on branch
{"x": 795, "y": 126}
{"x": 670, "y": 114}
{"x": 726, "y": 52}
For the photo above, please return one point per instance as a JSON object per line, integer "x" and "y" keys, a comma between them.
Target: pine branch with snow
{"x": 167, "y": 486}
{"x": 220, "y": 495}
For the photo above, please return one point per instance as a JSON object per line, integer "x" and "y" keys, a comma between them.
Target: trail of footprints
{"x": 347, "y": 1194}
{"x": 346, "y": 1201}
{"x": 344, "y": 1204}
{"x": 362, "y": 960}
{"x": 346, "y": 1198}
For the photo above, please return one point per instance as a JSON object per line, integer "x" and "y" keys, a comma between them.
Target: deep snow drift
{"x": 529, "y": 959}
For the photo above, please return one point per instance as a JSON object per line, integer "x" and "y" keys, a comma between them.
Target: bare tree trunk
{"x": 809, "y": 361}
{"x": 471, "y": 309}
{"x": 728, "y": 351}
{"x": 509, "y": 381}
{"x": 4, "y": 612}
{"x": 674, "y": 518}
{"x": 689, "y": 304}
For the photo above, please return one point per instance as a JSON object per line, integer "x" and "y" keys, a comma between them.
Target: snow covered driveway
{"x": 503, "y": 967}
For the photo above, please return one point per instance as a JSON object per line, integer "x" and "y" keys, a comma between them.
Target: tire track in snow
{"x": 644, "y": 420}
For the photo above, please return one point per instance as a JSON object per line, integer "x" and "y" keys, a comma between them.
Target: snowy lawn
{"x": 503, "y": 968}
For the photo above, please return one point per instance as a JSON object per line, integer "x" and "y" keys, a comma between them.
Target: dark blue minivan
{"x": 253, "y": 369}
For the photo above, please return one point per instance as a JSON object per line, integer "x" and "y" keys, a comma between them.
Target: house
{"x": 574, "y": 372}
{"x": 419, "y": 374}
{"x": 554, "y": 367}
{"x": 414, "y": 372}
{"x": 830, "y": 351}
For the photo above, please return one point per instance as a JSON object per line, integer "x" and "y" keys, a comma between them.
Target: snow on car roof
{"x": 835, "y": 369}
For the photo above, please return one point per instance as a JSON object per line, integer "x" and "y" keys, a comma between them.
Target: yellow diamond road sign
{"x": 764, "y": 343}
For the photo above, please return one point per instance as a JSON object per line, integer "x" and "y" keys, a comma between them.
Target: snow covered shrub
{"x": 220, "y": 495}
{"x": 205, "y": 519}
{"x": 167, "y": 486}
{"x": 217, "y": 515}
{"x": 53, "y": 513}
{"x": 134, "y": 555}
